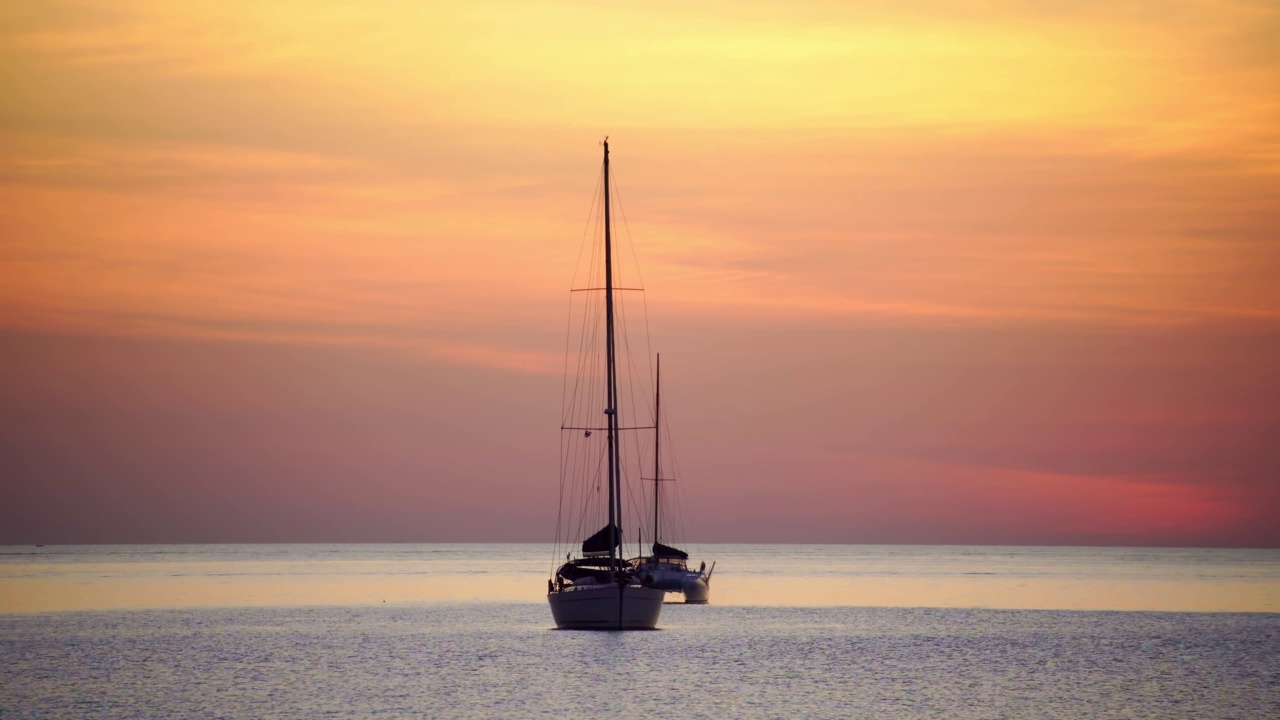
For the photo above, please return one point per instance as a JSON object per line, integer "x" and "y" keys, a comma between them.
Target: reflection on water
{"x": 169, "y": 576}
{"x": 501, "y": 660}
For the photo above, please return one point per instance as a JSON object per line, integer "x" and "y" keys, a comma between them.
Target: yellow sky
{"x": 415, "y": 177}
{"x": 948, "y": 159}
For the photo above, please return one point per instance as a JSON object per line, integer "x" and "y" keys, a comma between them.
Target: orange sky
{"x": 959, "y": 272}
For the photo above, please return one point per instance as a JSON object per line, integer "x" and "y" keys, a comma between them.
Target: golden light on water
{"x": 1077, "y": 579}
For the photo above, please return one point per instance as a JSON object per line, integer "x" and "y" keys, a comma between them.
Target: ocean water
{"x": 793, "y": 631}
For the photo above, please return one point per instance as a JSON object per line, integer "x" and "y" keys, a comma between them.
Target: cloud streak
{"x": 1000, "y": 248}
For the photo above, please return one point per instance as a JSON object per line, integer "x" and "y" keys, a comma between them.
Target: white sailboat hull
{"x": 606, "y": 607}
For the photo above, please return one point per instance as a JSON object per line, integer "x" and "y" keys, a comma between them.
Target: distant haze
{"x": 988, "y": 274}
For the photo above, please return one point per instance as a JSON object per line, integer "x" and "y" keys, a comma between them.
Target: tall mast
{"x": 611, "y": 379}
{"x": 657, "y": 437}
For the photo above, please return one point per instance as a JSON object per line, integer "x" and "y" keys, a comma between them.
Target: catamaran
{"x": 667, "y": 567}
{"x": 598, "y": 589}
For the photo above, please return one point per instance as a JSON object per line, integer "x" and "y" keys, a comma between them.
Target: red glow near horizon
{"x": 957, "y": 275}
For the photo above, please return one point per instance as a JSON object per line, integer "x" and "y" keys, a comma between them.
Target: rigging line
{"x": 648, "y": 340}
{"x": 590, "y": 325}
{"x": 593, "y": 314}
{"x": 631, "y": 383}
{"x": 578, "y": 371}
{"x": 591, "y": 492}
{"x": 587, "y": 480}
{"x": 628, "y": 412}
{"x": 682, "y": 500}
{"x": 675, "y": 512}
{"x": 591, "y": 212}
{"x": 586, "y": 232}
{"x": 629, "y": 371}
{"x": 578, "y": 496}
{"x": 591, "y": 496}
{"x": 581, "y": 494}
{"x": 626, "y": 347}
{"x": 641, "y": 460}
{"x": 613, "y": 187}
{"x": 635, "y": 508}
{"x": 626, "y": 226}
{"x": 631, "y": 375}
{"x": 577, "y": 499}
{"x": 587, "y": 351}
{"x": 648, "y": 401}
{"x": 577, "y": 265}
{"x": 555, "y": 548}
{"x": 577, "y": 477}
{"x": 657, "y": 458}
{"x": 563, "y": 522}
{"x": 640, "y": 276}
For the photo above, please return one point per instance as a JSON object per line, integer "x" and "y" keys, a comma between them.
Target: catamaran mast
{"x": 657, "y": 437}
{"x": 611, "y": 380}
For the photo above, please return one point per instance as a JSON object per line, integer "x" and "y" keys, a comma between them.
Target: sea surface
{"x": 463, "y": 631}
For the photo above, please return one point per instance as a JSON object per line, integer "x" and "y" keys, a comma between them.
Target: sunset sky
{"x": 997, "y": 272}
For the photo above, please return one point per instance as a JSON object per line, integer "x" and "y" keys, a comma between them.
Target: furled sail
{"x": 666, "y": 551}
{"x": 606, "y": 539}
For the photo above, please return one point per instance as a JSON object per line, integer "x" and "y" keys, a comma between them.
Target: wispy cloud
{"x": 413, "y": 180}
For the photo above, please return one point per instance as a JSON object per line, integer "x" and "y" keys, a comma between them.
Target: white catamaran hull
{"x": 697, "y": 591}
{"x": 607, "y": 607}
{"x": 673, "y": 577}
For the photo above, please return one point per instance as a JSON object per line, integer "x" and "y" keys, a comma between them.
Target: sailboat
{"x": 599, "y": 589}
{"x": 667, "y": 567}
